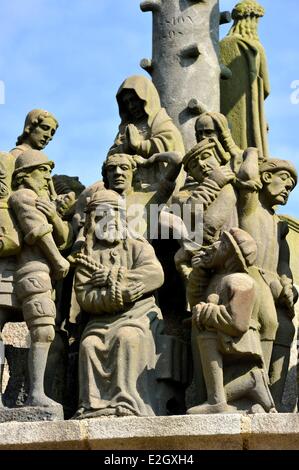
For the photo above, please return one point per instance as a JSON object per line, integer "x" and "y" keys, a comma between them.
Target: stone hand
{"x": 210, "y": 316}
{"x": 133, "y": 292}
{"x": 222, "y": 175}
{"x": 287, "y": 296}
{"x": 133, "y": 136}
{"x": 142, "y": 162}
{"x": 61, "y": 269}
{"x": 100, "y": 277}
{"x": 47, "y": 208}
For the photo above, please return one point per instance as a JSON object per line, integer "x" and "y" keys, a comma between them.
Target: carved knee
{"x": 40, "y": 310}
{"x": 42, "y": 334}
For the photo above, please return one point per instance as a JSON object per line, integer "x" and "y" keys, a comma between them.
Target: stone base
{"x": 31, "y": 413}
{"x": 205, "y": 432}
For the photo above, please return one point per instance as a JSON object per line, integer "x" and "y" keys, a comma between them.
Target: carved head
{"x": 138, "y": 99}
{"x": 118, "y": 172}
{"x": 39, "y": 129}
{"x": 246, "y": 15}
{"x": 205, "y": 127}
{"x": 279, "y": 178}
{"x": 106, "y": 217}
{"x": 133, "y": 104}
{"x": 33, "y": 171}
{"x": 204, "y": 157}
{"x": 235, "y": 251}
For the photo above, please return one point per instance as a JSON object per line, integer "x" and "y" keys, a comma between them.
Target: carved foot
{"x": 260, "y": 392}
{"x": 206, "y": 408}
{"x": 83, "y": 413}
{"x": 40, "y": 400}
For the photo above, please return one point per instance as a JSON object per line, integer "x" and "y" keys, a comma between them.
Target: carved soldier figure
{"x": 38, "y": 263}
{"x": 225, "y": 337}
{"x": 262, "y": 188}
{"x": 115, "y": 279}
{"x": 209, "y": 165}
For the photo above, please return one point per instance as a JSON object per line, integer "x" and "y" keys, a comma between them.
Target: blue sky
{"x": 70, "y": 56}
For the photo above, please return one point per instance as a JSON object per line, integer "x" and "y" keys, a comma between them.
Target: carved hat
{"x": 31, "y": 159}
{"x": 244, "y": 245}
{"x": 106, "y": 198}
{"x": 210, "y": 145}
{"x": 275, "y": 164}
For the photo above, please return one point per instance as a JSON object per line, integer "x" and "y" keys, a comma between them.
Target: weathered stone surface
{"x": 218, "y": 432}
{"x": 17, "y": 335}
{"x": 42, "y": 436}
{"x": 32, "y": 414}
{"x": 185, "y": 53}
{"x": 279, "y": 432}
{"x": 182, "y": 432}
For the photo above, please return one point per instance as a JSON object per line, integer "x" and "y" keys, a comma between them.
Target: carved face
{"x": 199, "y": 168}
{"x": 204, "y": 128}
{"x": 119, "y": 174}
{"x": 278, "y": 186}
{"x": 109, "y": 224}
{"x": 42, "y": 134}
{"x": 38, "y": 180}
{"x": 215, "y": 255}
{"x": 133, "y": 104}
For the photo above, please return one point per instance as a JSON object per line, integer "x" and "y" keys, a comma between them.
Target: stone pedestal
{"x": 31, "y": 414}
{"x": 206, "y": 432}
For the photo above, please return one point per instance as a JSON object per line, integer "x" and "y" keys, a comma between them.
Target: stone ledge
{"x": 213, "y": 432}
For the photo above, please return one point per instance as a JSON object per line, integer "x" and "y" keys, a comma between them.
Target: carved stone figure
{"x": 261, "y": 190}
{"x": 10, "y": 238}
{"x": 243, "y": 95}
{"x": 115, "y": 281}
{"x": 119, "y": 172}
{"x": 39, "y": 129}
{"x": 225, "y": 339}
{"x": 209, "y": 166}
{"x": 38, "y": 263}
{"x": 145, "y": 128}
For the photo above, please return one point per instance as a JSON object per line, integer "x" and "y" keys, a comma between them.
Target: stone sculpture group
{"x": 201, "y": 321}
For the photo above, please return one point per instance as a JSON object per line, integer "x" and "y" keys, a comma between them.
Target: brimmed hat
{"x": 31, "y": 159}
{"x": 276, "y": 164}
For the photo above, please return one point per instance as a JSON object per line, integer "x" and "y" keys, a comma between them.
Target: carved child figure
{"x": 225, "y": 337}
{"x": 38, "y": 263}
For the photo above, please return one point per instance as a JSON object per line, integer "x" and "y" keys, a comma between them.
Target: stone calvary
{"x": 166, "y": 287}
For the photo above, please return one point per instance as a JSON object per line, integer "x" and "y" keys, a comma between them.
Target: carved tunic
{"x": 118, "y": 348}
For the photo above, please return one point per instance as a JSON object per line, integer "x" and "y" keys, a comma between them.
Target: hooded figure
{"x": 145, "y": 127}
